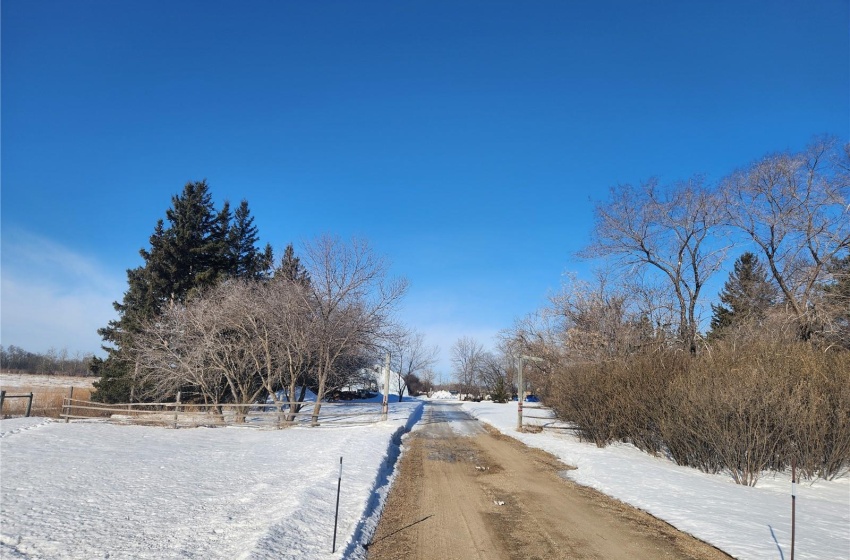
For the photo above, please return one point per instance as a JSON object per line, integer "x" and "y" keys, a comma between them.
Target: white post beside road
{"x": 519, "y": 394}
{"x": 521, "y": 387}
{"x": 385, "y": 408}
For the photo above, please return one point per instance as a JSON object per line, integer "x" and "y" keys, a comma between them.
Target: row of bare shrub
{"x": 740, "y": 407}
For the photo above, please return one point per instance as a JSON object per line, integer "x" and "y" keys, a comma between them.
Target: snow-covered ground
{"x": 748, "y": 523}
{"x": 98, "y": 490}
{"x": 39, "y": 380}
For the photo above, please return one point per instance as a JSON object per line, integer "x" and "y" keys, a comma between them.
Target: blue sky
{"x": 465, "y": 140}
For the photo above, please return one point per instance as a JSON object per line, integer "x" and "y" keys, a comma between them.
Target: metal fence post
{"x": 793, "y": 501}
{"x": 2, "y": 398}
{"x": 336, "y": 512}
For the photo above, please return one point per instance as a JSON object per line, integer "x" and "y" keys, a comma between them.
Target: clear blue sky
{"x": 466, "y": 140}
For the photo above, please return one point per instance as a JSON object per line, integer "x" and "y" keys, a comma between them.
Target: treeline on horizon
{"x": 53, "y": 362}
{"x": 626, "y": 357}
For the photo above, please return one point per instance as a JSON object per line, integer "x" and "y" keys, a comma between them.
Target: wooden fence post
{"x": 70, "y": 396}
{"x": 29, "y": 405}
{"x": 2, "y": 398}
{"x": 279, "y": 416}
{"x": 176, "y": 408}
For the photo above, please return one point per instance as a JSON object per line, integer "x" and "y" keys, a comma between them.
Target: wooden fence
{"x": 550, "y": 422}
{"x": 177, "y": 414}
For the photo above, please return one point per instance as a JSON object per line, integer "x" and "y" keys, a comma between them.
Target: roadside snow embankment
{"x": 748, "y": 523}
{"x": 99, "y": 490}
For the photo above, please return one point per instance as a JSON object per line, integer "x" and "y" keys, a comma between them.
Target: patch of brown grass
{"x": 47, "y": 401}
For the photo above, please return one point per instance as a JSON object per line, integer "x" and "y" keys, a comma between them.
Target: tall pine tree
{"x": 196, "y": 242}
{"x": 290, "y": 268}
{"x": 189, "y": 253}
{"x": 245, "y": 259}
{"x": 746, "y": 295}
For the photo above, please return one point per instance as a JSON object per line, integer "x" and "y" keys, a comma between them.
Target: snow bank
{"x": 748, "y": 523}
{"x": 99, "y": 490}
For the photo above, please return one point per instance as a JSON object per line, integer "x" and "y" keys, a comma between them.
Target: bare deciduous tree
{"x": 796, "y": 210}
{"x": 671, "y": 231}
{"x": 291, "y": 330}
{"x": 410, "y": 356}
{"x": 594, "y": 319}
{"x": 352, "y": 303}
{"x": 207, "y": 344}
{"x": 467, "y": 354}
{"x": 493, "y": 375}
{"x": 428, "y": 379}
{"x": 586, "y": 322}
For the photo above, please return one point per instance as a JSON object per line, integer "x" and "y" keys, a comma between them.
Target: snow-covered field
{"x": 748, "y": 523}
{"x": 98, "y": 490}
{"x": 38, "y": 380}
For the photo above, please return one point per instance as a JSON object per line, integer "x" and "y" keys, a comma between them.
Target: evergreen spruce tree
{"x": 839, "y": 287}
{"x": 499, "y": 392}
{"x": 245, "y": 260}
{"x": 195, "y": 243}
{"x": 746, "y": 295}
{"x": 192, "y": 253}
{"x": 220, "y": 237}
{"x": 836, "y": 299}
{"x": 290, "y": 268}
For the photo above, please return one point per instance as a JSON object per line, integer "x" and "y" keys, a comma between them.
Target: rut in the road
{"x": 488, "y": 496}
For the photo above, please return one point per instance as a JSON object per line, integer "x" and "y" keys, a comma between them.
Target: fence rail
{"x": 177, "y": 414}
{"x": 551, "y": 422}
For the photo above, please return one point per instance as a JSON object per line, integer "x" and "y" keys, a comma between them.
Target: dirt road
{"x": 465, "y": 493}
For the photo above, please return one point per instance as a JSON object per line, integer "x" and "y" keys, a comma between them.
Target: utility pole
{"x": 521, "y": 387}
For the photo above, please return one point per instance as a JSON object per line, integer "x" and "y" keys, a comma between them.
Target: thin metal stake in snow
{"x": 336, "y": 514}
{"x": 793, "y": 500}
